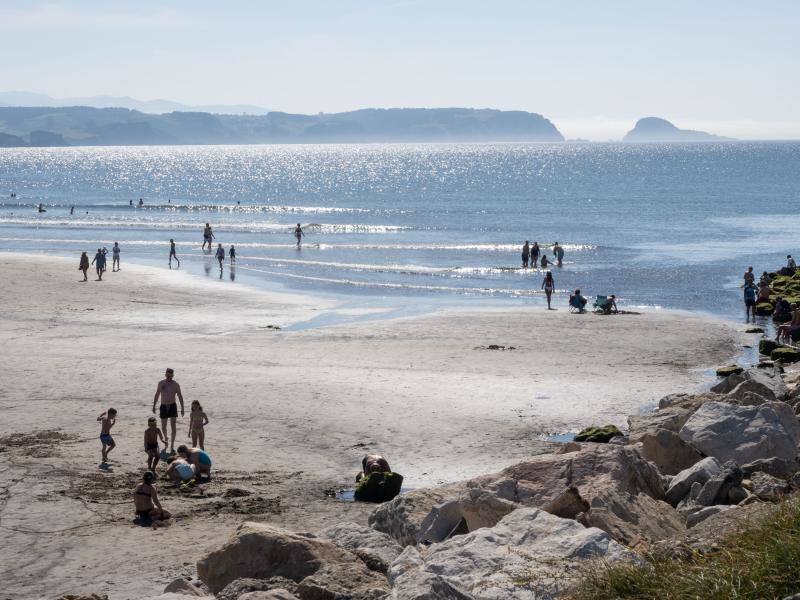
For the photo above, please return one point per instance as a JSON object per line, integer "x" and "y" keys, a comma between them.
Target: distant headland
{"x": 89, "y": 126}
{"x": 655, "y": 129}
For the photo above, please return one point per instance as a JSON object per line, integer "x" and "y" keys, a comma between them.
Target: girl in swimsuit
{"x": 197, "y": 421}
{"x": 549, "y": 285}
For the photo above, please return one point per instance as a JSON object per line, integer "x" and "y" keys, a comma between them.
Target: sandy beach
{"x": 291, "y": 412}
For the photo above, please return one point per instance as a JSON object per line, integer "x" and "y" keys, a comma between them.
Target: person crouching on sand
{"x": 107, "y": 420}
{"x": 373, "y": 463}
{"x": 198, "y": 458}
{"x": 179, "y": 470}
{"x": 84, "y": 265}
{"x": 151, "y": 436}
{"x": 145, "y": 501}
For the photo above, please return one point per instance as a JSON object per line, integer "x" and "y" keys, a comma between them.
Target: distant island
{"x": 89, "y": 126}
{"x": 654, "y": 129}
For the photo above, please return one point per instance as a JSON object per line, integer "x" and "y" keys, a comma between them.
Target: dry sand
{"x": 291, "y": 412}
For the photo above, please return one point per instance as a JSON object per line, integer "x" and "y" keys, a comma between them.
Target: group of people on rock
{"x": 531, "y": 253}
{"x": 186, "y": 465}
{"x": 783, "y": 311}
{"x": 99, "y": 261}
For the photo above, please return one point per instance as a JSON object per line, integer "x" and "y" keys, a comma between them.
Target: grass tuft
{"x": 760, "y": 561}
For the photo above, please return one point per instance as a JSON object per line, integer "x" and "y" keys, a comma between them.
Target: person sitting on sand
{"x": 99, "y": 262}
{"x": 151, "y": 436}
{"x": 107, "y": 420}
{"x": 610, "y": 307}
{"x": 198, "y": 458}
{"x": 179, "y": 470}
{"x": 145, "y": 501}
{"x": 787, "y": 331}
{"x": 373, "y": 463}
{"x": 84, "y": 265}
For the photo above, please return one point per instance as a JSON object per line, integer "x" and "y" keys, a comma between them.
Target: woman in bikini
{"x": 145, "y": 500}
{"x": 197, "y": 422}
{"x": 548, "y": 285}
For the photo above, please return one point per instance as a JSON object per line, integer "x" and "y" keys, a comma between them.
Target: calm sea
{"x": 668, "y": 226}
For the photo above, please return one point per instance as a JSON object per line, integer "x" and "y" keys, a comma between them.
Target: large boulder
{"x": 716, "y": 490}
{"x": 785, "y": 355}
{"x": 768, "y": 488}
{"x": 473, "y": 509}
{"x": 529, "y": 554}
{"x": 182, "y": 586}
{"x": 691, "y": 402}
{"x": 670, "y": 418}
{"x": 743, "y": 433}
{"x": 376, "y": 549}
{"x": 276, "y": 594}
{"x": 668, "y": 451}
{"x": 700, "y": 473}
{"x": 401, "y": 518}
{"x": 238, "y": 588}
{"x": 261, "y": 551}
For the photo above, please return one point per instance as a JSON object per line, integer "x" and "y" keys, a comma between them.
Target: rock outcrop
{"x": 529, "y": 554}
{"x": 743, "y": 433}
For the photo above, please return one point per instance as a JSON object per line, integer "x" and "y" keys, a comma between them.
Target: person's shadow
{"x": 233, "y": 272}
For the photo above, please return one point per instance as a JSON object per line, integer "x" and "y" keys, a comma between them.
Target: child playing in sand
{"x": 151, "y": 436}
{"x": 107, "y": 420}
{"x": 197, "y": 421}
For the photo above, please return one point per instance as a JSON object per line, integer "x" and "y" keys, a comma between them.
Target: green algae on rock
{"x": 599, "y": 435}
{"x": 378, "y": 487}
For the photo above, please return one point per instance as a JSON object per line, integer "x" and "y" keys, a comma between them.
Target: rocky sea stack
{"x": 655, "y": 129}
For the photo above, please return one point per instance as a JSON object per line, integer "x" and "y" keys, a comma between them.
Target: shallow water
{"x": 669, "y": 226}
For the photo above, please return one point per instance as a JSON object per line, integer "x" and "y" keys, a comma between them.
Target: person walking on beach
{"x": 232, "y": 254}
{"x": 208, "y": 237}
{"x": 559, "y": 254}
{"x": 99, "y": 262}
{"x": 220, "y": 255}
{"x": 105, "y": 257}
{"x": 548, "y": 285}
{"x": 115, "y": 257}
{"x": 167, "y": 390}
{"x": 750, "y": 300}
{"x": 298, "y": 233}
{"x": 535, "y": 254}
{"x": 107, "y": 420}
{"x": 526, "y": 252}
{"x": 84, "y": 265}
{"x": 172, "y": 254}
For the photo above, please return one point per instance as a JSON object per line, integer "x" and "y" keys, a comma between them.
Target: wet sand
{"x": 291, "y": 412}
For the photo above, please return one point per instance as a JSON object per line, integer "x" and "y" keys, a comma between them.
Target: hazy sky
{"x": 591, "y": 66}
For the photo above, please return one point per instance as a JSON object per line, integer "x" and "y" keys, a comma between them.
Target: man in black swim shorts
{"x": 167, "y": 389}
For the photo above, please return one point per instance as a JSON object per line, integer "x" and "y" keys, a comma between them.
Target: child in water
{"x": 107, "y": 420}
{"x": 197, "y": 422}
{"x": 151, "y": 436}
{"x": 232, "y": 254}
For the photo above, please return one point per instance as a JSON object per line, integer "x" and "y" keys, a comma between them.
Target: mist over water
{"x": 668, "y": 225}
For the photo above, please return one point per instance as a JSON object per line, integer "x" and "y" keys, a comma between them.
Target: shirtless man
{"x": 373, "y": 463}
{"x": 167, "y": 389}
{"x": 145, "y": 500}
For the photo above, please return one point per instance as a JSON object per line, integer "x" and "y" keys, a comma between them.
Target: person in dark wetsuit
{"x": 526, "y": 252}
{"x": 535, "y": 251}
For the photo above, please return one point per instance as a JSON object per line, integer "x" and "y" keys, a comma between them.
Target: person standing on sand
{"x": 115, "y": 257}
{"x": 208, "y": 237}
{"x": 197, "y": 422}
{"x": 750, "y": 300}
{"x": 167, "y": 389}
{"x": 84, "y": 265}
{"x": 526, "y": 252}
{"x": 298, "y": 233}
{"x": 99, "y": 262}
{"x": 172, "y": 254}
{"x": 151, "y": 436}
{"x": 535, "y": 254}
{"x": 107, "y": 420}
{"x": 220, "y": 255}
{"x": 548, "y": 285}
